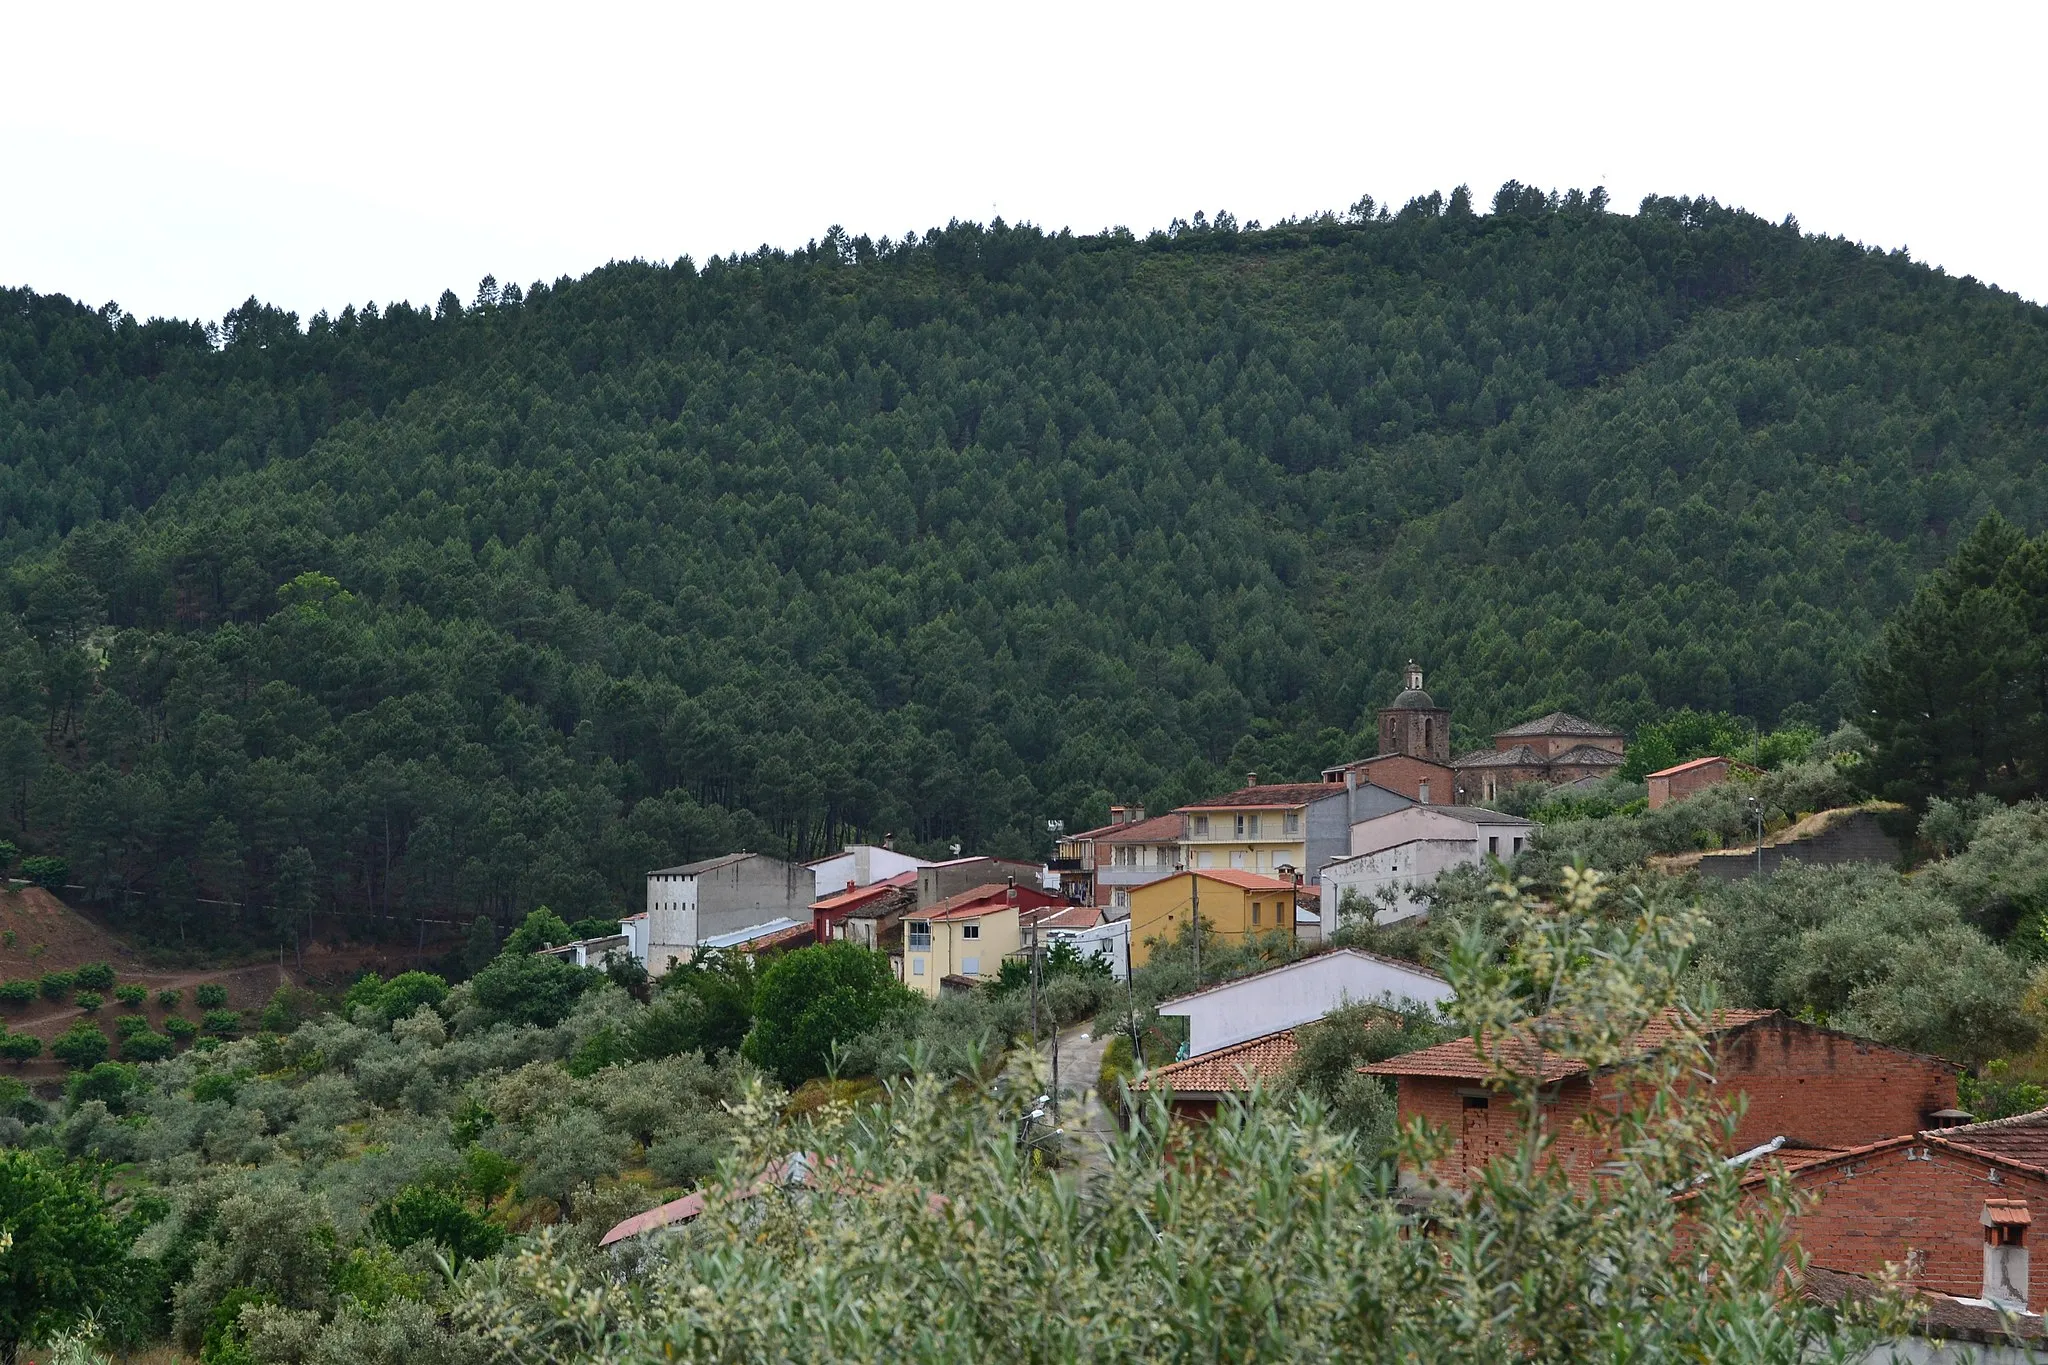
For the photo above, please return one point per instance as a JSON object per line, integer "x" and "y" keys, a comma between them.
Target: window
{"x": 1126, "y": 855}
{"x": 1489, "y": 789}
{"x": 1240, "y": 827}
{"x": 1120, "y": 899}
{"x": 1208, "y": 859}
{"x": 970, "y": 931}
{"x": 1163, "y": 857}
{"x": 1474, "y": 1101}
{"x": 1237, "y": 859}
{"x": 1255, "y": 914}
{"x": 917, "y": 966}
{"x": 1201, "y": 826}
{"x": 970, "y": 966}
{"x": 1493, "y": 845}
{"x": 1428, "y": 731}
{"x": 1518, "y": 843}
{"x": 920, "y": 936}
{"x": 1422, "y": 793}
{"x": 1251, "y": 826}
{"x": 1290, "y": 823}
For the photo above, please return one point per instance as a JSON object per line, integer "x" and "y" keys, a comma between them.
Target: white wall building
{"x": 689, "y": 904}
{"x": 1300, "y": 993}
{"x": 1109, "y": 941}
{"x": 859, "y": 865}
{"x": 1397, "y": 856}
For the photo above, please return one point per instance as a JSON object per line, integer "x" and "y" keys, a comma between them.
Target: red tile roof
{"x": 1277, "y": 795}
{"x": 986, "y": 899}
{"x": 860, "y": 895}
{"x": 1249, "y": 881}
{"x": 1160, "y": 829}
{"x": 1065, "y": 917}
{"x": 2022, "y": 1138}
{"x": 1227, "y": 1070}
{"x": 1459, "y": 1059}
{"x": 1689, "y": 765}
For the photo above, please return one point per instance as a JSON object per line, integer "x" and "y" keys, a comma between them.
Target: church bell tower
{"x": 1414, "y": 724}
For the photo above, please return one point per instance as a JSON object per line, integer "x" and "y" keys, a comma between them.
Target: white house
{"x": 690, "y": 904}
{"x": 1395, "y": 857}
{"x": 1299, "y": 993}
{"x": 1091, "y": 934}
{"x": 858, "y": 865}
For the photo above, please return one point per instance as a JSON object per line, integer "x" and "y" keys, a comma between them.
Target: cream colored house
{"x": 967, "y": 936}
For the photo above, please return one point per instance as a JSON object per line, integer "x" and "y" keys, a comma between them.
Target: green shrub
{"x": 170, "y": 998}
{"x": 131, "y": 995}
{"x": 180, "y": 1028}
{"x": 221, "y": 1023}
{"x": 20, "y": 1047}
{"x": 81, "y": 1046}
{"x": 108, "y": 1082}
{"x": 530, "y": 989}
{"x": 210, "y": 1086}
{"x": 57, "y": 985}
{"x": 97, "y": 976}
{"x": 211, "y": 996}
{"x": 128, "y": 1025}
{"x": 90, "y": 1001}
{"x": 813, "y": 998}
{"x": 46, "y": 872}
{"x": 421, "y": 1214}
{"x": 19, "y": 991}
{"x": 399, "y": 997}
{"x": 146, "y": 1046}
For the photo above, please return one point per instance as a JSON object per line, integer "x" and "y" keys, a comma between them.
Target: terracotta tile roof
{"x": 1516, "y": 756}
{"x": 1689, "y": 765}
{"x": 1459, "y": 1059}
{"x": 1277, "y": 795}
{"x": 1227, "y": 1070}
{"x": 860, "y": 895}
{"x": 1249, "y": 881}
{"x": 1589, "y": 755}
{"x": 1160, "y": 828}
{"x": 2023, "y": 1137}
{"x": 1560, "y": 723}
{"x": 987, "y": 899}
{"x": 1066, "y": 917}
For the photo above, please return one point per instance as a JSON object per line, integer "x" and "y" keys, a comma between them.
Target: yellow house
{"x": 1298, "y": 826}
{"x": 967, "y": 935}
{"x": 1235, "y": 906}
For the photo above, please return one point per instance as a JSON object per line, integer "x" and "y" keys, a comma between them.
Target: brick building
{"x": 1921, "y": 1200}
{"x": 1552, "y": 749}
{"x": 1683, "y": 779}
{"x": 1199, "y": 1084}
{"x": 1820, "y": 1090}
{"x": 1415, "y": 747}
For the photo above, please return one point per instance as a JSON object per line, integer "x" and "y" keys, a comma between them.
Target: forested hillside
{"x": 399, "y": 613}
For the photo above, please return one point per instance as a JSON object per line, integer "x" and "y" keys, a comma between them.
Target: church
{"x": 1415, "y": 759}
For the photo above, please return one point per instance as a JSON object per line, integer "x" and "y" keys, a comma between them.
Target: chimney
{"x": 1350, "y": 803}
{"x": 1251, "y": 779}
{"x": 889, "y": 840}
{"x": 1137, "y": 815}
{"x": 1119, "y": 815}
{"x": 2005, "y": 1252}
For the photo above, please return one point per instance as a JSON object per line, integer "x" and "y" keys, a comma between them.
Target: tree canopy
{"x": 449, "y": 612}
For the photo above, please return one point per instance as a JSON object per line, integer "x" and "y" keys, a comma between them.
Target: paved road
{"x": 1089, "y": 1124}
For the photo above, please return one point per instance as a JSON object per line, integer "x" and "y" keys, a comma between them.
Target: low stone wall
{"x": 1854, "y": 838}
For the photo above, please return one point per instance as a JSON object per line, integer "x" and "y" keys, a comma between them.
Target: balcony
{"x": 1070, "y": 864}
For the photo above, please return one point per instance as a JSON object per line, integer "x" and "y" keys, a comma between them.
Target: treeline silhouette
{"x": 456, "y": 611}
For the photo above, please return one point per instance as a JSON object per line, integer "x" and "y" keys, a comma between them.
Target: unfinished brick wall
{"x": 1809, "y": 1085}
{"x": 1914, "y": 1205}
{"x": 1856, "y": 838}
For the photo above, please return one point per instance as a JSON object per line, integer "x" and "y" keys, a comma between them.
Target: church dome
{"x": 1413, "y": 698}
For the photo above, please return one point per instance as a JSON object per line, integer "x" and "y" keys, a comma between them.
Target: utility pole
{"x": 1195, "y": 922}
{"x": 1756, "y": 813}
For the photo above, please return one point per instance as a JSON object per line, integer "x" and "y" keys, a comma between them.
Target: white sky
{"x": 178, "y": 158}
